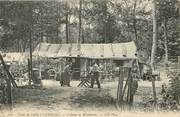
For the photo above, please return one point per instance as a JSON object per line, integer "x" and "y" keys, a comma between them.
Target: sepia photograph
{"x": 89, "y": 58}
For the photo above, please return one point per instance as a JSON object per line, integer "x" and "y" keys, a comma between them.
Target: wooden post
{"x": 154, "y": 89}
{"x": 120, "y": 86}
{"x": 3, "y": 94}
{"x": 9, "y": 93}
{"x": 29, "y": 70}
{"x": 40, "y": 75}
{"x": 124, "y": 90}
{"x": 130, "y": 92}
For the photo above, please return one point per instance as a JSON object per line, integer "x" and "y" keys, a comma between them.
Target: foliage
{"x": 167, "y": 17}
{"x": 103, "y": 21}
{"x": 18, "y": 70}
{"x": 174, "y": 89}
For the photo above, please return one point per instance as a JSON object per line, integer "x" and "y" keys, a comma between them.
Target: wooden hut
{"x": 119, "y": 54}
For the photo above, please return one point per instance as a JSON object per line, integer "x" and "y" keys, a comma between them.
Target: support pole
{"x": 131, "y": 95}
{"x": 126, "y": 84}
{"x": 9, "y": 93}
{"x": 29, "y": 71}
{"x": 129, "y": 90}
{"x": 154, "y": 90}
{"x": 120, "y": 86}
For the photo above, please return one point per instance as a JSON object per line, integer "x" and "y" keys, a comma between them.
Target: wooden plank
{"x": 87, "y": 84}
{"x": 7, "y": 71}
{"x": 126, "y": 84}
{"x": 79, "y": 84}
{"x": 120, "y": 85}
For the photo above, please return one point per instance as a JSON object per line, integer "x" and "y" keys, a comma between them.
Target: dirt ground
{"x": 54, "y": 97}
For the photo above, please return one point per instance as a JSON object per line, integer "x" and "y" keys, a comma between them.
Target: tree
{"x": 154, "y": 36}
{"x": 102, "y": 21}
{"x": 166, "y": 13}
{"x": 154, "y": 49}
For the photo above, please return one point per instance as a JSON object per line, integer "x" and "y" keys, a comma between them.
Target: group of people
{"x": 93, "y": 74}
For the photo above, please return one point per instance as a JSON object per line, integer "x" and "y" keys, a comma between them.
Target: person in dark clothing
{"x": 66, "y": 75}
{"x": 95, "y": 75}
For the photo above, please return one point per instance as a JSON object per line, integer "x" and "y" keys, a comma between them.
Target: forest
{"x": 53, "y": 53}
{"x": 91, "y": 21}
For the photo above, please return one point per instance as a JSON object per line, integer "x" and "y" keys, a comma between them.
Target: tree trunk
{"x": 105, "y": 27}
{"x": 83, "y": 40}
{"x": 30, "y": 40}
{"x": 67, "y": 29}
{"x": 17, "y": 45}
{"x": 67, "y": 23}
{"x": 178, "y": 66}
{"x": 24, "y": 46}
{"x": 165, "y": 41}
{"x": 80, "y": 31}
{"x": 134, "y": 21}
{"x": 154, "y": 44}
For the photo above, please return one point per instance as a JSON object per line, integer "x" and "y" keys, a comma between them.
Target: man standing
{"x": 95, "y": 76}
{"x": 66, "y": 75}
